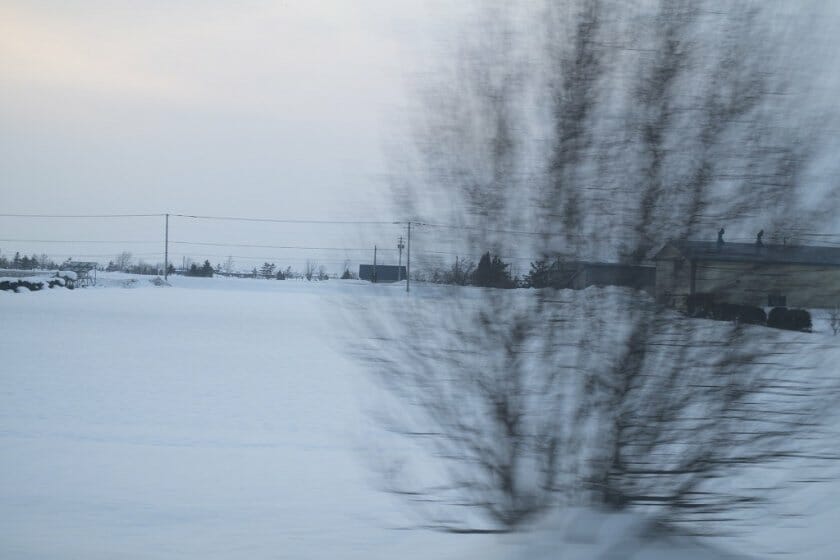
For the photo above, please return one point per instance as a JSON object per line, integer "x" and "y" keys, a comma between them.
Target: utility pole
{"x": 374, "y": 264}
{"x": 166, "y": 251}
{"x": 400, "y": 246}
{"x": 408, "y": 262}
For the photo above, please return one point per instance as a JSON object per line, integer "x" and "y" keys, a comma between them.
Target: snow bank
{"x": 36, "y": 280}
{"x": 582, "y": 534}
{"x": 220, "y": 419}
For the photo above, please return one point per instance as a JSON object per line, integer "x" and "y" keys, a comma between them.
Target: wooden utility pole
{"x": 400, "y": 246}
{"x": 374, "y": 264}
{"x": 408, "y": 262}
{"x": 166, "y": 251}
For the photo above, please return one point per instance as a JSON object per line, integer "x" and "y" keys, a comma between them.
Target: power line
{"x": 76, "y": 241}
{"x": 81, "y": 215}
{"x": 109, "y": 255}
{"x": 477, "y": 228}
{"x": 454, "y": 254}
{"x": 566, "y": 234}
{"x": 283, "y": 221}
{"x": 327, "y": 222}
{"x": 506, "y": 231}
{"x": 244, "y": 245}
{"x": 254, "y": 258}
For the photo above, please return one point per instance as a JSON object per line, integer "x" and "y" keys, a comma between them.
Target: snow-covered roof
{"x": 752, "y": 252}
{"x": 78, "y": 266}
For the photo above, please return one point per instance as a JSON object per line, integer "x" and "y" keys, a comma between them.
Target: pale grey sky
{"x": 251, "y": 108}
{"x": 271, "y": 108}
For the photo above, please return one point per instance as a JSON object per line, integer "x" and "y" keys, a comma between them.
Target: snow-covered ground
{"x": 222, "y": 418}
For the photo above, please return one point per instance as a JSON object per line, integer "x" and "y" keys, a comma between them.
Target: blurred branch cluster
{"x": 612, "y": 127}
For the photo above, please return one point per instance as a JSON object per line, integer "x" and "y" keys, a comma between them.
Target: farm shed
{"x": 381, "y": 273}
{"x": 748, "y": 273}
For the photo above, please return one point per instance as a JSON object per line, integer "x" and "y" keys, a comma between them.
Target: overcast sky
{"x": 252, "y": 108}
{"x": 270, "y": 108}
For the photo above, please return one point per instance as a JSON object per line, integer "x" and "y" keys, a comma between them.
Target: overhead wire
{"x": 327, "y": 222}
{"x": 61, "y": 216}
{"x": 246, "y": 245}
{"x": 824, "y": 238}
{"x": 104, "y": 256}
{"x": 287, "y": 221}
{"x": 269, "y": 259}
{"x": 121, "y": 241}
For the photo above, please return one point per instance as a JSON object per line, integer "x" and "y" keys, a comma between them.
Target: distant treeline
{"x": 28, "y": 263}
{"x": 311, "y": 271}
{"x": 493, "y": 272}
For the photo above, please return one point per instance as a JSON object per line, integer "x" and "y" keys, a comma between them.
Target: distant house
{"x": 748, "y": 273}
{"x": 381, "y": 273}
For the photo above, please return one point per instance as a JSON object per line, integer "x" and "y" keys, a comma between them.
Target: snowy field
{"x": 222, "y": 418}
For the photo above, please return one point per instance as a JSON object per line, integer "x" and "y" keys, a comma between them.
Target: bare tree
{"x": 122, "y": 262}
{"x": 609, "y": 399}
{"x": 834, "y": 319}
{"x": 229, "y": 266}
{"x": 310, "y": 270}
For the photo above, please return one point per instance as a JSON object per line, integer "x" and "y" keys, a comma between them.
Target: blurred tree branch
{"x": 530, "y": 400}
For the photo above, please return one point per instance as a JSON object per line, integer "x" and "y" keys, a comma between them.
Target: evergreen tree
{"x": 537, "y": 277}
{"x": 206, "y": 269}
{"x": 544, "y": 275}
{"x": 267, "y": 270}
{"x": 492, "y": 272}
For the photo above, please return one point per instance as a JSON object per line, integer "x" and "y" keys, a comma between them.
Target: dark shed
{"x": 381, "y": 273}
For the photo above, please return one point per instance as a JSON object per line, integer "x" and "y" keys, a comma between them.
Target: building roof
{"x": 750, "y": 252}
{"x": 626, "y": 266}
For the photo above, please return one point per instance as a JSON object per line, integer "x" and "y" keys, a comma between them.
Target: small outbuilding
{"x": 84, "y": 272}
{"x": 748, "y": 273}
{"x": 381, "y": 273}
